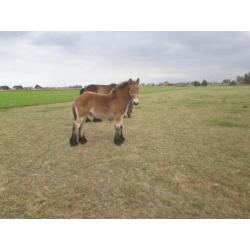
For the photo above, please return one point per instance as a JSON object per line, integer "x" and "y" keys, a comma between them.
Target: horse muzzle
{"x": 135, "y": 101}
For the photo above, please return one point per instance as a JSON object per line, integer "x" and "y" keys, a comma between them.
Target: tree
{"x": 4, "y": 87}
{"x": 204, "y": 83}
{"x": 240, "y": 79}
{"x": 196, "y": 83}
{"x": 38, "y": 86}
{"x": 247, "y": 78}
{"x": 232, "y": 83}
{"x": 75, "y": 87}
{"x": 243, "y": 79}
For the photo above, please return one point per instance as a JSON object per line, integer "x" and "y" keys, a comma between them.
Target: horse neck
{"x": 124, "y": 95}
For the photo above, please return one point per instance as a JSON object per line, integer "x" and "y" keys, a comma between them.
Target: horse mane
{"x": 91, "y": 87}
{"x": 122, "y": 85}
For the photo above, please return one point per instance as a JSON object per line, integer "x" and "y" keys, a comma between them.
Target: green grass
{"x": 186, "y": 155}
{"x": 11, "y": 99}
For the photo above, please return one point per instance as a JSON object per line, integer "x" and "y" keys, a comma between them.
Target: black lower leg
{"x": 119, "y": 139}
{"x": 82, "y": 139}
{"x": 73, "y": 139}
{"x": 122, "y": 134}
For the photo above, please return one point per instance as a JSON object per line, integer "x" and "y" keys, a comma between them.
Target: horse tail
{"x": 82, "y": 90}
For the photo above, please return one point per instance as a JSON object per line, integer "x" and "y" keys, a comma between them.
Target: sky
{"x": 68, "y": 58}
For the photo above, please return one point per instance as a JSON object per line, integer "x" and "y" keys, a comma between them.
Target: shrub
{"x": 196, "y": 83}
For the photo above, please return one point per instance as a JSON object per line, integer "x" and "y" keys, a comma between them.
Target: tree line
{"x": 245, "y": 79}
{"x": 36, "y": 87}
{"x": 19, "y": 87}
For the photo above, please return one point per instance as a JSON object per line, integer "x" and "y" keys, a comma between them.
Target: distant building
{"x": 17, "y": 87}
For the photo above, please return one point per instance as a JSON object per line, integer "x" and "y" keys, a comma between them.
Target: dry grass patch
{"x": 176, "y": 161}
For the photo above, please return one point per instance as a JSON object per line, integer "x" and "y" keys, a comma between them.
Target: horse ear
{"x": 138, "y": 80}
{"x": 130, "y": 80}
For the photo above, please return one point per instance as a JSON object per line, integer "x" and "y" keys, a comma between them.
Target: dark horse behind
{"x": 105, "y": 89}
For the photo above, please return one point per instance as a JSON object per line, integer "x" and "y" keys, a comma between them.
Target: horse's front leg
{"x": 130, "y": 109}
{"x": 119, "y": 139}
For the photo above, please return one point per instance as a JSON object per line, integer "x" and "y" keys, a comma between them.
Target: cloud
{"x": 64, "y": 58}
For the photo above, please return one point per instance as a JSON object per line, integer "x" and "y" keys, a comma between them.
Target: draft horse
{"x": 105, "y": 89}
{"x": 111, "y": 105}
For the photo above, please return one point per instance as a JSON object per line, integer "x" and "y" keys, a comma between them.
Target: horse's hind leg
{"x": 76, "y": 126}
{"x": 119, "y": 139}
{"x": 74, "y": 137}
{"x": 82, "y": 138}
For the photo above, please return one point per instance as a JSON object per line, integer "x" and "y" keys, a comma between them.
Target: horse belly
{"x": 101, "y": 112}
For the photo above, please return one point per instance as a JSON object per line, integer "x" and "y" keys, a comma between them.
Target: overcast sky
{"x": 66, "y": 58}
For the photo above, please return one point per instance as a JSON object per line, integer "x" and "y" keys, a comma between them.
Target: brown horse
{"x": 104, "y": 89}
{"x": 112, "y": 105}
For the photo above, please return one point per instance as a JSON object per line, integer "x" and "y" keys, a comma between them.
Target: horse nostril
{"x": 136, "y": 103}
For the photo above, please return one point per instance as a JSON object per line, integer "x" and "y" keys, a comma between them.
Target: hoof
{"x": 82, "y": 140}
{"x": 73, "y": 141}
{"x": 119, "y": 140}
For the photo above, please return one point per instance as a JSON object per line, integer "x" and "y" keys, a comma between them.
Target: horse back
{"x": 102, "y": 89}
{"x": 91, "y": 99}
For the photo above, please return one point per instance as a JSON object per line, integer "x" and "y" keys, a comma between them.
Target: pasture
{"x": 11, "y": 99}
{"x": 186, "y": 155}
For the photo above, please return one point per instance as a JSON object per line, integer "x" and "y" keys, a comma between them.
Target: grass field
{"x": 11, "y": 99}
{"x": 186, "y": 155}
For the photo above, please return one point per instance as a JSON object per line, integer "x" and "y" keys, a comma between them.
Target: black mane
{"x": 122, "y": 85}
